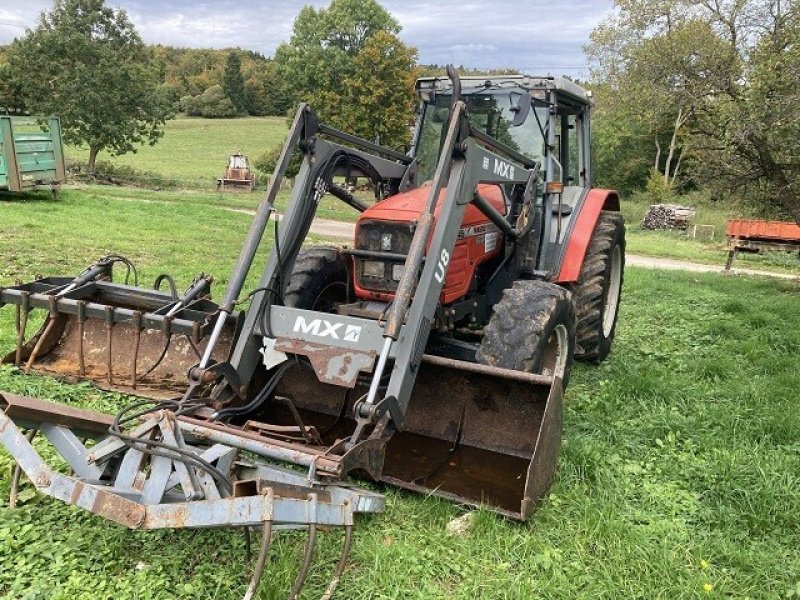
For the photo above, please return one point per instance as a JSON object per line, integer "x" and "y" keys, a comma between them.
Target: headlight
{"x": 397, "y": 271}
{"x": 372, "y": 268}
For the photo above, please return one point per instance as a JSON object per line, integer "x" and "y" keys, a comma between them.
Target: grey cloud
{"x": 530, "y": 35}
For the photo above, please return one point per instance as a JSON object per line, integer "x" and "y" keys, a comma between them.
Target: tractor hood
{"x": 408, "y": 205}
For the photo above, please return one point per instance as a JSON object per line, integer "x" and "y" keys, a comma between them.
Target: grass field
{"x": 195, "y": 150}
{"x": 679, "y": 475}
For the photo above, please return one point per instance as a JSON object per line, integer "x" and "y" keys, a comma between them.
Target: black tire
{"x": 532, "y": 329}
{"x": 599, "y": 288}
{"x": 319, "y": 280}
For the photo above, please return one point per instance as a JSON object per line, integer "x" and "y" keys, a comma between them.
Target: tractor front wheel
{"x": 319, "y": 280}
{"x": 598, "y": 290}
{"x": 532, "y": 329}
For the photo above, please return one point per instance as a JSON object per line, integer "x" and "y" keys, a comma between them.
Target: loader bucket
{"x": 475, "y": 434}
{"x": 114, "y": 335}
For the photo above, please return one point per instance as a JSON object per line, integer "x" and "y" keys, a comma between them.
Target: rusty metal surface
{"x": 269, "y": 447}
{"x": 778, "y": 231}
{"x": 68, "y": 354}
{"x": 337, "y": 366}
{"x": 37, "y": 411}
{"x": 477, "y": 435}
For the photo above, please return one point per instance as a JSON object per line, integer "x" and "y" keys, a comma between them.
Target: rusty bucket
{"x": 474, "y": 434}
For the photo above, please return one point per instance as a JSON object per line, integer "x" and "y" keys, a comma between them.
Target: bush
{"x": 125, "y": 175}
{"x": 265, "y": 163}
{"x": 657, "y": 190}
{"x": 212, "y": 104}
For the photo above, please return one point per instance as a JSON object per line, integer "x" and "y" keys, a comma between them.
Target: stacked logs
{"x": 668, "y": 216}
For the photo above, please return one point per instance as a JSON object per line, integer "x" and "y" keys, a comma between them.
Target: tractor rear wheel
{"x": 598, "y": 290}
{"x": 532, "y": 329}
{"x": 319, "y": 280}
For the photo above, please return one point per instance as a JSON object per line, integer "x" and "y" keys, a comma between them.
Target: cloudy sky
{"x": 535, "y": 36}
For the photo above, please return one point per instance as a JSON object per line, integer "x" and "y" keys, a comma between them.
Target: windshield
{"x": 490, "y": 113}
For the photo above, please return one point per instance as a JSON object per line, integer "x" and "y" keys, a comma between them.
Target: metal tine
{"x": 51, "y": 321}
{"x": 137, "y": 328}
{"x": 263, "y": 554}
{"x": 34, "y": 355}
{"x": 17, "y": 311}
{"x": 22, "y": 325}
{"x": 109, "y": 337}
{"x": 308, "y": 555}
{"x": 337, "y": 575}
{"x": 81, "y": 326}
{"x": 194, "y": 347}
{"x": 12, "y": 494}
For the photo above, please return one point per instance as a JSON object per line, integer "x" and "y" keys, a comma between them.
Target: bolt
{"x": 41, "y": 480}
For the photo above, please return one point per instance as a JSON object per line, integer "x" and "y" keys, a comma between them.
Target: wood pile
{"x": 668, "y": 216}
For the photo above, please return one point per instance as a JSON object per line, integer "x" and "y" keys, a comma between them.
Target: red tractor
{"x": 431, "y": 355}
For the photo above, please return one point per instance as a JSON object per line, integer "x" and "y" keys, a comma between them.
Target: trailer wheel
{"x": 532, "y": 329}
{"x": 598, "y": 290}
{"x": 319, "y": 280}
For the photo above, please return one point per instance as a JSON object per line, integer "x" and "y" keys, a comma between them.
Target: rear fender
{"x": 597, "y": 200}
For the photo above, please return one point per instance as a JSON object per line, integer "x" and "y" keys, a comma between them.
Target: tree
{"x": 713, "y": 84}
{"x": 266, "y": 92}
{"x": 233, "y": 82}
{"x": 379, "y": 95}
{"x": 86, "y": 63}
{"x": 11, "y": 100}
{"x": 331, "y": 50}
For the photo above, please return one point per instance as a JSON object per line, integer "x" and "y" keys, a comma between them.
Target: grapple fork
{"x": 165, "y": 472}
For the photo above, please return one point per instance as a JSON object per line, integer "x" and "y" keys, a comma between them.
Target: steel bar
{"x": 263, "y": 554}
{"x": 308, "y": 556}
{"x": 364, "y": 144}
{"x": 97, "y": 310}
{"x": 109, "y": 339}
{"x": 337, "y": 574}
{"x": 23, "y": 325}
{"x": 137, "y": 339}
{"x": 81, "y": 328}
{"x": 12, "y": 494}
{"x": 299, "y": 454}
{"x": 494, "y": 216}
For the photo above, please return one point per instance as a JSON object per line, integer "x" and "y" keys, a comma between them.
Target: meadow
{"x": 194, "y": 151}
{"x": 679, "y": 475}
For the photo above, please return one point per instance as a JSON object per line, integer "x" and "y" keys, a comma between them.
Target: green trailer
{"x": 31, "y": 156}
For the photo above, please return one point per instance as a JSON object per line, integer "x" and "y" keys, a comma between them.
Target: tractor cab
{"x": 542, "y": 118}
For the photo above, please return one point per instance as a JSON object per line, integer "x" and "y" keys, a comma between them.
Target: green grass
{"x": 680, "y": 466}
{"x": 197, "y": 150}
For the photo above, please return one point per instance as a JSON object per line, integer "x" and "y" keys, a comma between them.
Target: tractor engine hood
{"x": 408, "y": 205}
{"x": 388, "y": 227}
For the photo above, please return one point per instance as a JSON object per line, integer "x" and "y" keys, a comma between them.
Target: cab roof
{"x": 477, "y": 83}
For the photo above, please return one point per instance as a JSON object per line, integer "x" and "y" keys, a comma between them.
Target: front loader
{"x": 431, "y": 355}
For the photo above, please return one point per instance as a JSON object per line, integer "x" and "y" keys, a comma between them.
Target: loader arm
{"x": 464, "y": 162}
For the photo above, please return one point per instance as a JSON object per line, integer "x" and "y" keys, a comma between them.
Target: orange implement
{"x": 764, "y": 230}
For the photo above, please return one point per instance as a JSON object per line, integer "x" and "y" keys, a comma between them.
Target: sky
{"x": 533, "y": 36}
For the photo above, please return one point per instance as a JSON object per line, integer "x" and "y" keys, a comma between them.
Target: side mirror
{"x": 520, "y": 106}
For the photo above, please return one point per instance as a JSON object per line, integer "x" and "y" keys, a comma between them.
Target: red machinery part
{"x": 779, "y": 231}
{"x": 479, "y": 239}
{"x": 597, "y": 200}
